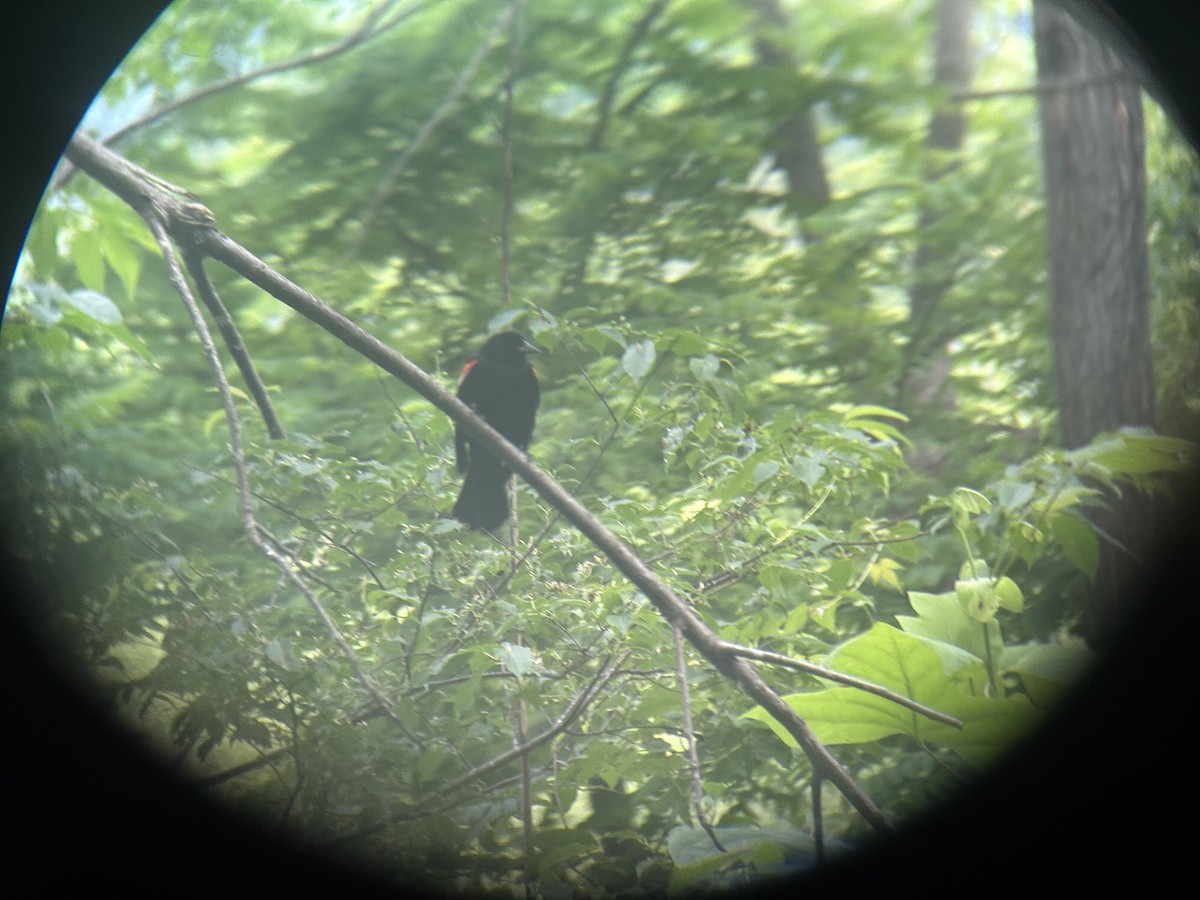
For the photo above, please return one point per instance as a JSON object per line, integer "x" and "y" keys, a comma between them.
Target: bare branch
{"x": 639, "y": 32}
{"x": 195, "y": 224}
{"x": 422, "y": 805}
{"x": 869, "y": 687}
{"x": 233, "y": 340}
{"x": 690, "y": 736}
{"x": 153, "y": 213}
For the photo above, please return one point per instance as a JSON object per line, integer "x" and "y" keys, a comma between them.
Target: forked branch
{"x": 194, "y": 229}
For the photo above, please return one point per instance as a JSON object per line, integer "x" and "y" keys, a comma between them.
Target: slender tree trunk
{"x": 922, "y": 382}
{"x": 1094, "y": 159}
{"x": 795, "y": 142}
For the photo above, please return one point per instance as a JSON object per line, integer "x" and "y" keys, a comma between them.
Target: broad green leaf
{"x": 277, "y": 653}
{"x": 1009, "y": 595}
{"x": 46, "y": 306}
{"x": 808, "y": 470}
{"x": 942, "y": 622}
{"x": 871, "y": 411}
{"x": 95, "y": 305}
{"x": 123, "y": 257}
{"x": 1137, "y": 452}
{"x": 969, "y": 501}
{"x": 639, "y": 358}
{"x": 684, "y": 343}
{"x": 1048, "y": 672}
{"x": 132, "y": 341}
{"x": 1078, "y": 541}
{"x": 766, "y": 470}
{"x": 704, "y": 368}
{"x": 1014, "y": 495}
{"x": 89, "y": 259}
{"x": 516, "y": 658}
{"x": 907, "y": 665}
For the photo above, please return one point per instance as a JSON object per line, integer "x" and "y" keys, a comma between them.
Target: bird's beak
{"x": 527, "y": 347}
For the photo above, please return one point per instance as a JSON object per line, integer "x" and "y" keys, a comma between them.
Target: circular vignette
{"x": 1072, "y": 806}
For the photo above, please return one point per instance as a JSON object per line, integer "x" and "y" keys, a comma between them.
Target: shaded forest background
{"x": 744, "y": 380}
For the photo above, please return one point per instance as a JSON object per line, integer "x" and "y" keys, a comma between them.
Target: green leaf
{"x": 1009, "y": 595}
{"x": 808, "y": 470}
{"x": 1014, "y": 495}
{"x": 766, "y": 470}
{"x": 1049, "y": 670}
{"x": 277, "y": 654}
{"x": 639, "y": 358}
{"x": 123, "y": 258}
{"x": 42, "y": 243}
{"x": 943, "y": 623}
{"x": 1136, "y": 452}
{"x": 684, "y": 343}
{"x": 94, "y": 305}
{"x": 1078, "y": 541}
{"x": 977, "y": 598}
{"x": 704, "y": 368}
{"x": 865, "y": 419}
{"x": 132, "y": 341}
{"x": 871, "y": 411}
{"x": 971, "y": 502}
{"x": 46, "y": 306}
{"x": 907, "y": 665}
{"x": 89, "y": 259}
{"x": 516, "y": 658}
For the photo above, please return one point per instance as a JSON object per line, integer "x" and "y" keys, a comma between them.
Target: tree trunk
{"x": 1094, "y": 159}
{"x": 922, "y": 384}
{"x": 795, "y": 142}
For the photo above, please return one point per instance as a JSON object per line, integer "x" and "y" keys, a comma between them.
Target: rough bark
{"x": 1094, "y": 160}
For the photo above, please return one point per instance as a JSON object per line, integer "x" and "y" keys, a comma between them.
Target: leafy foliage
{"x": 718, "y": 388}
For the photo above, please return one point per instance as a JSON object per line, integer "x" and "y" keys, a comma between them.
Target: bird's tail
{"x": 483, "y": 500}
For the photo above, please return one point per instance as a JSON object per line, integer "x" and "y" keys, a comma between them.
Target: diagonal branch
{"x": 196, "y": 228}
{"x": 233, "y": 340}
{"x": 157, "y": 223}
{"x": 869, "y": 687}
{"x": 421, "y": 805}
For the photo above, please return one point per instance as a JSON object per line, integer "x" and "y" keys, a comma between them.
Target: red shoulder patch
{"x": 470, "y": 364}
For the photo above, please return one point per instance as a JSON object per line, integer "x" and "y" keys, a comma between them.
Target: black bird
{"x": 501, "y": 386}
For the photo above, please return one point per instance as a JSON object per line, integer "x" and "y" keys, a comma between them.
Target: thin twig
{"x": 422, "y": 804}
{"x": 249, "y": 523}
{"x": 690, "y": 736}
{"x": 114, "y": 172}
{"x": 370, "y": 28}
{"x": 818, "y": 818}
{"x": 869, "y": 687}
{"x": 233, "y": 341}
{"x": 427, "y": 128}
{"x": 326, "y": 537}
{"x": 604, "y": 111}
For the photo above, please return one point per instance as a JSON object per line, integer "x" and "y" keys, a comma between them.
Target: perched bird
{"x": 501, "y": 386}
